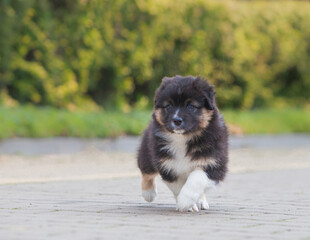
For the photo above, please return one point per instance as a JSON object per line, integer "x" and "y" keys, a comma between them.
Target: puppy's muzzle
{"x": 177, "y": 125}
{"x": 177, "y": 121}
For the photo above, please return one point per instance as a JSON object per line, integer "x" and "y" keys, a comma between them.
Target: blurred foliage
{"x": 30, "y": 121}
{"x": 83, "y": 54}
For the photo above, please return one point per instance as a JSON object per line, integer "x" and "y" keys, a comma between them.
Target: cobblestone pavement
{"x": 94, "y": 193}
{"x": 257, "y": 205}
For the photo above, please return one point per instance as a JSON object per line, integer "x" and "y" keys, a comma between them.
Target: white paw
{"x": 149, "y": 195}
{"x": 203, "y": 204}
{"x": 192, "y": 209}
{"x": 186, "y": 203}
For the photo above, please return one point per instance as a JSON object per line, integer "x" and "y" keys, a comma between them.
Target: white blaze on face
{"x": 176, "y": 114}
{"x": 178, "y": 131}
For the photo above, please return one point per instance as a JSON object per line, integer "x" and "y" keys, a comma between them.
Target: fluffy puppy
{"x": 186, "y": 142}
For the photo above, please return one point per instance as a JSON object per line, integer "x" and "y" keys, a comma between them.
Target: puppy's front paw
{"x": 186, "y": 203}
{"x": 203, "y": 204}
{"x": 149, "y": 195}
{"x": 194, "y": 208}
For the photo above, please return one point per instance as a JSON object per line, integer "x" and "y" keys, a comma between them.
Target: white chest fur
{"x": 181, "y": 164}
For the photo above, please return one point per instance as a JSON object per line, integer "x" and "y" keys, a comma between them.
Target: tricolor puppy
{"x": 186, "y": 142}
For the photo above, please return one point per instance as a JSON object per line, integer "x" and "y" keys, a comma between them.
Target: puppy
{"x": 186, "y": 142}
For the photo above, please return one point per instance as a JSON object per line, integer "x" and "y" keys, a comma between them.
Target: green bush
{"x": 38, "y": 122}
{"x": 85, "y": 53}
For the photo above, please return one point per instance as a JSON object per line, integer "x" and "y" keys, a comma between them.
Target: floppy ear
{"x": 207, "y": 90}
{"x": 162, "y": 86}
{"x": 210, "y": 98}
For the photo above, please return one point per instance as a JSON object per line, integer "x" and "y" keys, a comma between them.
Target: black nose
{"x": 177, "y": 121}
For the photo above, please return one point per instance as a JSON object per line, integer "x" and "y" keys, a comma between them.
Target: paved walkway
{"x": 261, "y": 205}
{"x": 96, "y": 195}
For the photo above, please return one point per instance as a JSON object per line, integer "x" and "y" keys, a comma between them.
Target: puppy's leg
{"x": 149, "y": 190}
{"x": 176, "y": 186}
{"x": 202, "y": 202}
{"x": 196, "y": 184}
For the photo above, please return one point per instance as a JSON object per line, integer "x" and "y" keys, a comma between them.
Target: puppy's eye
{"x": 191, "y": 107}
{"x": 168, "y": 106}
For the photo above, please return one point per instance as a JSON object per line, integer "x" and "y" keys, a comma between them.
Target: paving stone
{"x": 253, "y": 205}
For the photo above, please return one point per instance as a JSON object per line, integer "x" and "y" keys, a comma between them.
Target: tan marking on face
{"x": 158, "y": 113}
{"x": 167, "y": 102}
{"x": 193, "y": 102}
{"x": 205, "y": 118}
{"x": 148, "y": 181}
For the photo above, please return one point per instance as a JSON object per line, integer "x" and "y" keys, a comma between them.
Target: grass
{"x": 27, "y": 121}
{"x": 288, "y": 120}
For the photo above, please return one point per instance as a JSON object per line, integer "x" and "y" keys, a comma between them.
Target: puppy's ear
{"x": 210, "y": 98}
{"x": 207, "y": 91}
{"x": 162, "y": 86}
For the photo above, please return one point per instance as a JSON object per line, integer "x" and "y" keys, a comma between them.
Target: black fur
{"x": 206, "y": 139}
